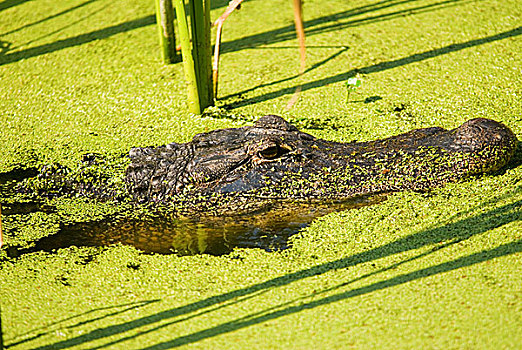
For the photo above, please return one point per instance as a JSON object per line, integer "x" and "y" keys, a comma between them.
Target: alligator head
{"x": 273, "y": 159}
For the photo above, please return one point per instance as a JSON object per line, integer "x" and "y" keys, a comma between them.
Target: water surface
{"x": 269, "y": 229}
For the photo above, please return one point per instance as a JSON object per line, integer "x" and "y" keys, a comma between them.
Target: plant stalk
{"x": 200, "y": 25}
{"x": 299, "y": 28}
{"x": 188, "y": 59}
{"x": 232, "y": 5}
{"x": 165, "y": 21}
{"x": 196, "y": 51}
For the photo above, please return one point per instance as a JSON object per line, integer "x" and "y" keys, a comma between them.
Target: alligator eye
{"x": 270, "y": 152}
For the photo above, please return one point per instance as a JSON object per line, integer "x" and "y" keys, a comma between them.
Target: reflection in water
{"x": 268, "y": 229}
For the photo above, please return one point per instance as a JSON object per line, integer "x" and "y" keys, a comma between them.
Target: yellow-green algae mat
{"x": 434, "y": 270}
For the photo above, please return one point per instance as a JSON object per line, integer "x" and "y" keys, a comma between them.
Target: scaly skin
{"x": 274, "y": 160}
{"x": 244, "y": 169}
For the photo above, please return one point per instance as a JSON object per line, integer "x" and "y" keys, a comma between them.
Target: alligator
{"x": 270, "y": 177}
{"x": 274, "y": 160}
{"x": 238, "y": 168}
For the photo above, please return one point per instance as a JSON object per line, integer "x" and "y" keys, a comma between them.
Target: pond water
{"x": 269, "y": 230}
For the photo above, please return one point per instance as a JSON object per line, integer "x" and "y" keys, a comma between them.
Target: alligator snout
{"x": 480, "y": 132}
{"x": 492, "y": 142}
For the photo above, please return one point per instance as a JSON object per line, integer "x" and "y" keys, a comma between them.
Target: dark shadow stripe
{"x": 48, "y": 18}
{"x": 77, "y": 40}
{"x": 4, "y": 5}
{"x": 379, "y": 67}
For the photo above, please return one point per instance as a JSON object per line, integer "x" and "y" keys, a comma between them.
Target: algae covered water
{"x": 432, "y": 270}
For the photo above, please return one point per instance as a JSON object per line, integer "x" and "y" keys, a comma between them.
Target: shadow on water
{"x": 17, "y": 174}
{"x": 21, "y": 208}
{"x": 379, "y": 67}
{"x": 268, "y": 229}
{"x": 338, "y": 21}
{"x": 113, "y": 310}
{"x": 254, "y": 319}
{"x": 215, "y": 4}
{"x": 4, "y": 5}
{"x": 462, "y": 229}
{"x": 315, "y": 26}
{"x": 77, "y": 40}
{"x": 48, "y": 17}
